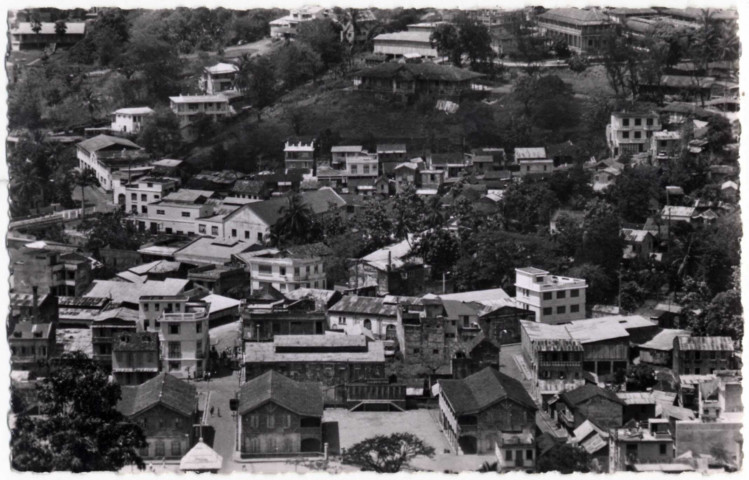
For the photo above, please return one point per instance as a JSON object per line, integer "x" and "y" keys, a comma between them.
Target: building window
{"x": 271, "y": 421}
{"x": 529, "y": 454}
{"x": 508, "y": 455}
{"x": 547, "y": 296}
{"x": 625, "y": 134}
{"x": 638, "y": 122}
{"x": 159, "y": 212}
{"x": 176, "y": 448}
{"x": 259, "y": 236}
{"x": 214, "y": 230}
{"x": 649, "y": 122}
{"x": 547, "y": 311}
{"x": 638, "y": 134}
{"x": 199, "y": 346}
{"x": 246, "y": 235}
{"x": 233, "y": 232}
{"x": 341, "y": 320}
{"x": 574, "y": 308}
{"x": 561, "y": 294}
{"x": 186, "y": 214}
{"x": 174, "y": 349}
{"x": 574, "y": 293}
{"x": 134, "y": 197}
{"x": 662, "y": 448}
{"x": 561, "y": 310}
{"x": 254, "y": 421}
{"x": 625, "y": 122}
{"x": 143, "y": 197}
{"x": 198, "y": 327}
{"x": 287, "y": 421}
{"x": 159, "y": 450}
{"x": 174, "y": 329}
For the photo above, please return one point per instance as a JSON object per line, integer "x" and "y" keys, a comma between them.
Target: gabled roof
{"x": 201, "y": 458}
{"x": 664, "y": 340}
{"x": 482, "y": 390}
{"x": 302, "y": 398}
{"x": 706, "y": 343}
{"x": 100, "y": 142}
{"x": 128, "y": 292}
{"x": 530, "y": 153}
{"x": 220, "y": 68}
{"x": 165, "y": 389}
{"x": 586, "y": 392}
{"x": 365, "y": 305}
{"x": 269, "y": 211}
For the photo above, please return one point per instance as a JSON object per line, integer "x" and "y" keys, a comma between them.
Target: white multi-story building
{"x": 363, "y": 165}
{"x": 283, "y": 270}
{"x": 340, "y": 153}
{"x": 299, "y": 153}
{"x": 182, "y": 326}
{"x": 286, "y": 27}
{"x": 177, "y": 212}
{"x": 630, "y": 132}
{"x": 137, "y": 194}
{"x": 105, "y": 154}
{"x": 129, "y": 120}
{"x": 218, "y": 78}
{"x": 665, "y": 144}
{"x": 554, "y": 299}
{"x": 186, "y": 107}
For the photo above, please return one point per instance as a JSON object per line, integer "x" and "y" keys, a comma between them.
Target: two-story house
{"x": 490, "y": 412}
{"x": 278, "y": 416}
{"x": 533, "y": 161}
{"x": 554, "y": 299}
{"x": 218, "y": 78}
{"x": 105, "y": 154}
{"x": 702, "y": 355}
{"x": 178, "y": 212}
{"x": 106, "y": 328}
{"x": 130, "y": 120}
{"x": 361, "y": 169}
{"x": 390, "y": 155}
{"x": 135, "y": 357}
{"x": 48, "y": 270}
{"x": 379, "y": 315}
{"x": 186, "y": 107}
{"x": 31, "y": 346}
{"x": 334, "y": 360}
{"x": 166, "y": 409}
{"x": 589, "y": 402}
{"x": 136, "y": 195}
{"x": 286, "y": 26}
{"x": 339, "y": 154}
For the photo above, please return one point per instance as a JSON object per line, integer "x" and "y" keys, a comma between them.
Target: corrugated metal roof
{"x": 365, "y": 305}
{"x": 706, "y": 343}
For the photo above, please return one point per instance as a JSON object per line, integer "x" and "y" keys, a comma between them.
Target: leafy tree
{"x": 160, "y": 133}
{"x": 562, "y": 49}
{"x": 296, "y": 63}
{"x": 602, "y": 244}
{"x": 375, "y": 225}
{"x": 640, "y": 377}
{"x": 79, "y": 429}
{"x": 446, "y": 39}
{"x": 578, "y": 63}
{"x": 387, "y": 454}
{"x": 719, "y": 133}
{"x": 565, "y": 458}
{"x": 323, "y": 37}
{"x": 600, "y": 286}
{"x": 83, "y": 179}
{"x": 439, "y": 248}
{"x": 259, "y": 81}
{"x": 296, "y": 224}
{"x": 631, "y": 297}
{"x": 158, "y": 65}
{"x": 407, "y": 211}
{"x": 723, "y": 316}
{"x": 60, "y": 28}
{"x": 112, "y": 230}
{"x": 528, "y": 205}
{"x": 633, "y": 191}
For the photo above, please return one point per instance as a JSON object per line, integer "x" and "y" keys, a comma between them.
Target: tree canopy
{"x": 79, "y": 429}
{"x": 387, "y": 454}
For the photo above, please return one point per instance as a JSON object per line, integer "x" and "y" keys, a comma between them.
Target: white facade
{"x": 286, "y": 27}
{"x": 630, "y": 132}
{"x": 247, "y": 226}
{"x": 183, "y": 335}
{"x": 188, "y": 106}
{"x": 137, "y": 195}
{"x": 536, "y": 167}
{"x": 129, "y": 120}
{"x": 409, "y": 43}
{"x": 114, "y": 156}
{"x": 285, "y": 274}
{"x": 554, "y": 299}
{"x": 362, "y": 165}
{"x": 299, "y": 154}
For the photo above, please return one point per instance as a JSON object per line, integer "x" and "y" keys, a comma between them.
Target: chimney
{"x": 35, "y": 302}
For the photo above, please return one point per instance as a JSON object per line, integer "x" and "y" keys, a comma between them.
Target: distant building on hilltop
{"x": 130, "y": 120}
{"x": 584, "y": 30}
{"x": 23, "y": 36}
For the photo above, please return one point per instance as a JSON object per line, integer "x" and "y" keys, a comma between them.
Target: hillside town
{"x": 342, "y": 240}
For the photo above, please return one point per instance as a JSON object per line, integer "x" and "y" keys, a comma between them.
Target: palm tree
{"x": 244, "y": 73}
{"x": 434, "y": 216}
{"x": 84, "y": 178}
{"x": 296, "y": 222}
{"x": 24, "y": 186}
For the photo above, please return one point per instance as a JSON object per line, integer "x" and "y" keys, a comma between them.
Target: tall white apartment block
{"x": 554, "y": 299}
{"x": 182, "y": 326}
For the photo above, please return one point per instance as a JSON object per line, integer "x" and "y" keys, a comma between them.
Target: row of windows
{"x": 253, "y": 445}
{"x": 160, "y": 449}
{"x": 22, "y": 351}
{"x": 562, "y": 309}
{"x": 143, "y": 196}
{"x": 298, "y": 271}
{"x": 637, "y": 134}
{"x": 175, "y": 348}
{"x": 270, "y": 421}
{"x": 638, "y": 122}
{"x": 697, "y": 355}
{"x": 561, "y": 294}
{"x": 518, "y": 455}
{"x": 159, "y": 422}
{"x": 168, "y": 307}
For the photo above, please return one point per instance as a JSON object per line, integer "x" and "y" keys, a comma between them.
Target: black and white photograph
{"x": 298, "y": 237}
